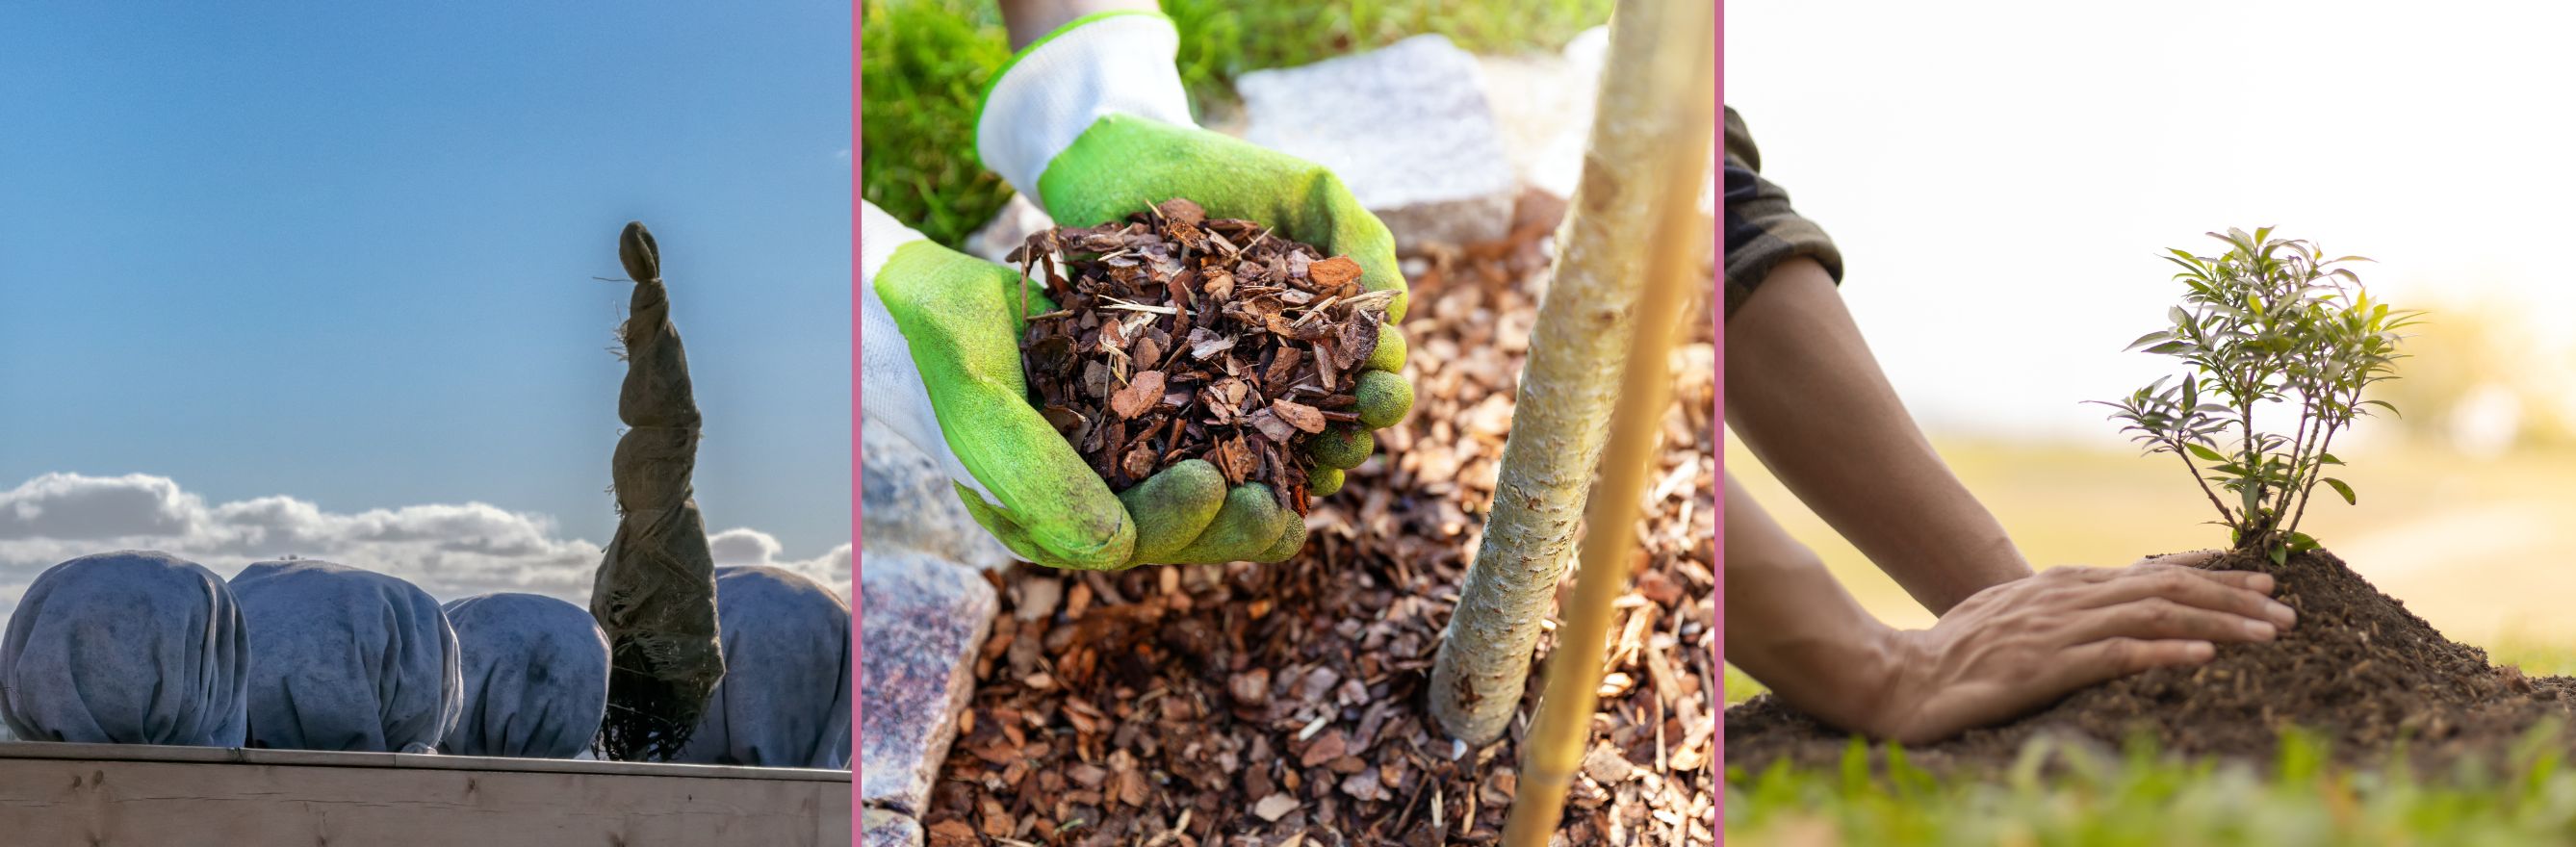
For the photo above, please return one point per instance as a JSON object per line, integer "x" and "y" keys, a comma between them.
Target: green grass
{"x": 2140, "y": 798}
{"x": 924, "y": 63}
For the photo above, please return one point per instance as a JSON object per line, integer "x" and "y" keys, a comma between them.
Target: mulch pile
{"x": 1177, "y": 336}
{"x": 2358, "y": 670}
{"x": 1284, "y": 704}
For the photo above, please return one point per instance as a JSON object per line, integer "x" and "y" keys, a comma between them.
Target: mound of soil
{"x": 2359, "y": 671}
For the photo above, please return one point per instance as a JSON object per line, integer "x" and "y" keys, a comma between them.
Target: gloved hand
{"x": 940, "y": 366}
{"x": 1091, "y": 121}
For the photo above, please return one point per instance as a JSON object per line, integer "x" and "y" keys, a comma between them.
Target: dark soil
{"x": 2358, "y": 670}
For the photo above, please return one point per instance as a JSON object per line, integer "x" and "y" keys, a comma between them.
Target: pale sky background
{"x": 316, "y": 278}
{"x": 2001, "y": 176}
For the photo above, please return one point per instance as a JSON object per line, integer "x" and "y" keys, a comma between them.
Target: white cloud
{"x": 450, "y": 550}
{"x": 744, "y": 546}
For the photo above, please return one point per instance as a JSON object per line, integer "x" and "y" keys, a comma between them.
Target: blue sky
{"x": 343, "y": 252}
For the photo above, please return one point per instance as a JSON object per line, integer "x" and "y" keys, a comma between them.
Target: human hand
{"x": 2022, "y": 644}
{"x": 1091, "y": 121}
{"x": 941, "y": 366}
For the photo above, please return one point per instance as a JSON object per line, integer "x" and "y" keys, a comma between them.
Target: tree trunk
{"x": 1583, "y": 336}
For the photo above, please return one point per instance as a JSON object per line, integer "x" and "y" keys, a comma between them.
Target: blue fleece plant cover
{"x": 785, "y": 698}
{"x": 536, "y": 676}
{"x": 131, "y": 647}
{"x": 346, "y": 659}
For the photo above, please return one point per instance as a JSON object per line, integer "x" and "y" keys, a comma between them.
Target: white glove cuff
{"x": 891, "y": 393}
{"x": 1058, "y": 87}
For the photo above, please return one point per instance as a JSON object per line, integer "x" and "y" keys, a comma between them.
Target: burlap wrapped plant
{"x": 656, "y": 594}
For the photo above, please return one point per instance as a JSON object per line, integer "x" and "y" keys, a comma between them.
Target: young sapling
{"x": 2266, "y": 326}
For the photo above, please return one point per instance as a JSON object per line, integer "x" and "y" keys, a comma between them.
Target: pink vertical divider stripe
{"x": 858, "y": 463}
{"x": 1717, "y": 422}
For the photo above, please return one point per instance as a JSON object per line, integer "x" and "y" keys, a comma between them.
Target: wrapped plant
{"x": 2266, "y": 327}
{"x": 655, "y": 593}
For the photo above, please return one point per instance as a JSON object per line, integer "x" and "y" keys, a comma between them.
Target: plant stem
{"x": 2317, "y": 440}
{"x": 2223, "y": 512}
{"x": 2298, "y": 449}
{"x": 2253, "y": 465}
{"x": 2314, "y": 475}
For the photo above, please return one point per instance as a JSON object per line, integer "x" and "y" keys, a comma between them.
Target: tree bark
{"x": 1569, "y": 382}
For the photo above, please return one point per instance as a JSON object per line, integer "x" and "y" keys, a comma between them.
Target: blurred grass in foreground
{"x": 924, "y": 63}
{"x": 2138, "y": 798}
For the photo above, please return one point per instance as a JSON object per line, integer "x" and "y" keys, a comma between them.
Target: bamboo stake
{"x": 1583, "y": 332}
{"x": 1680, "y": 60}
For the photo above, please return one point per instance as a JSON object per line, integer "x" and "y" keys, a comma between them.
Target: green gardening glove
{"x": 1092, "y": 122}
{"x": 940, "y": 366}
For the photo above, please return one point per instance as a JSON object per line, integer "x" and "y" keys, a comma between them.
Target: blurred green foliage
{"x": 2063, "y": 795}
{"x": 1221, "y": 39}
{"x": 924, "y": 63}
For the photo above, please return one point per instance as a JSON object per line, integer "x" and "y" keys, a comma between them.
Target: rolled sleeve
{"x": 1762, "y": 229}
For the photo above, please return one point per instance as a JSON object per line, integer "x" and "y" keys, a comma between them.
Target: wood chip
{"x": 1305, "y": 418}
{"x": 1274, "y": 807}
{"x": 1332, "y": 274}
{"x": 1141, "y": 393}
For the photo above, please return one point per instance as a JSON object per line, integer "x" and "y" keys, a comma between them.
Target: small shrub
{"x": 2265, "y": 326}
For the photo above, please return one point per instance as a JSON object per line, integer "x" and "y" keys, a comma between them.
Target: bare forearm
{"x": 1792, "y": 626}
{"x": 2002, "y": 652}
{"x": 1029, "y": 20}
{"x": 1804, "y": 392}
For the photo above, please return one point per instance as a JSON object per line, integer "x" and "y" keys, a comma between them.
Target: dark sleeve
{"x": 1761, "y": 229}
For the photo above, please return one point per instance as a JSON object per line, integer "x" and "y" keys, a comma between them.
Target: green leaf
{"x": 2143, "y": 339}
{"x": 2280, "y": 555}
{"x": 2204, "y": 452}
{"x": 2345, "y": 490}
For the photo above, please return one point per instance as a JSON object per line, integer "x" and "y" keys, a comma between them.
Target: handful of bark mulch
{"x": 1177, "y": 336}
